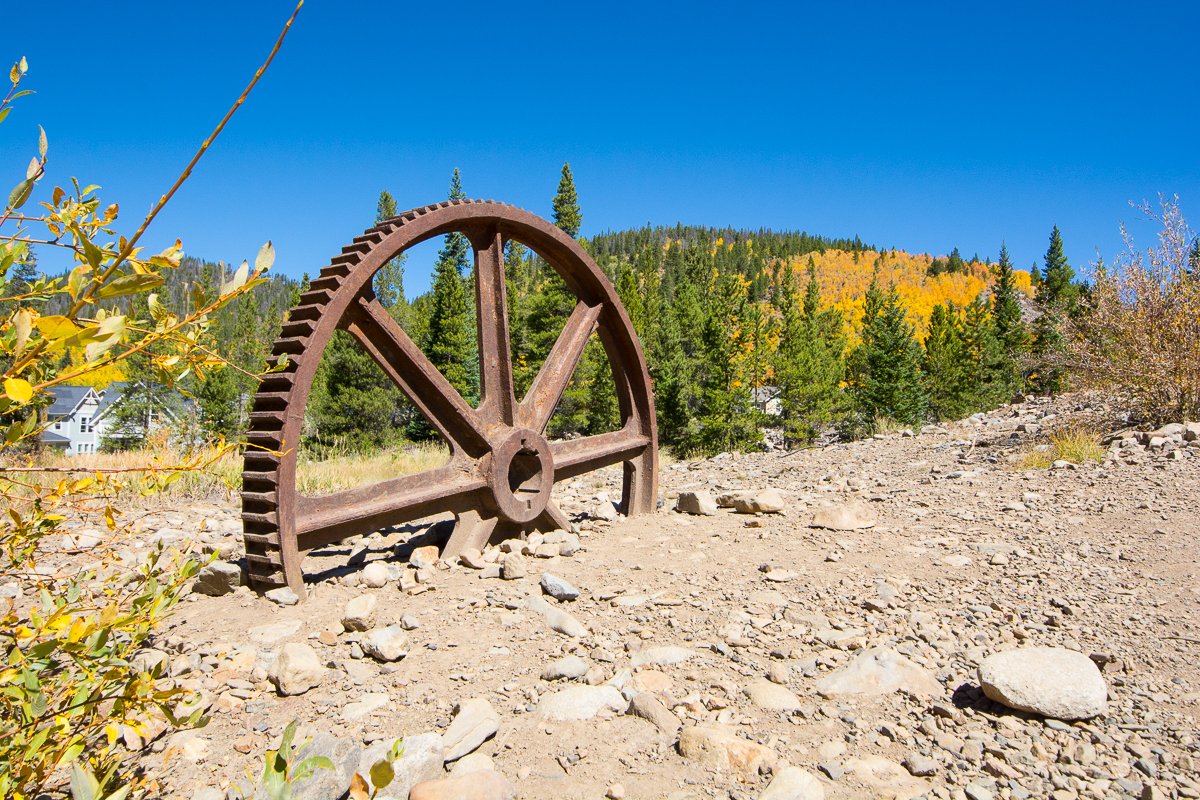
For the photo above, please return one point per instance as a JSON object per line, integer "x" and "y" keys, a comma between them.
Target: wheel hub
{"x": 520, "y": 475}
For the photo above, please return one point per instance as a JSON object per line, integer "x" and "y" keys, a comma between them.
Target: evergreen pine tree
{"x": 947, "y": 366}
{"x": 218, "y": 403}
{"x": 1057, "y": 285}
{"x": 810, "y": 360}
{"x": 567, "y": 215}
{"x": 990, "y": 369}
{"x": 389, "y": 280}
{"x": 1057, "y": 294}
{"x": 24, "y": 273}
{"x": 726, "y": 413}
{"x": 1010, "y": 329}
{"x": 884, "y": 370}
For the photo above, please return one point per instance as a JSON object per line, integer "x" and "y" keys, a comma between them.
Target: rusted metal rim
{"x": 501, "y": 470}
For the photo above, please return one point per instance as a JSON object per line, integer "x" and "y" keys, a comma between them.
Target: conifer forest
{"x": 753, "y": 337}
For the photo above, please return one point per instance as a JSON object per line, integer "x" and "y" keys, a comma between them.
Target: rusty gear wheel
{"x": 501, "y": 470}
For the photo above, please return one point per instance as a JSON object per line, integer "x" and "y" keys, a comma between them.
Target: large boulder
{"x": 1050, "y": 681}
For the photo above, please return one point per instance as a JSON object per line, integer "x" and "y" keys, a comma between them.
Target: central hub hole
{"x": 525, "y": 473}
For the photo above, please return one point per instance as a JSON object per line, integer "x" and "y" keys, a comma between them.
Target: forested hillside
{"x": 743, "y": 331}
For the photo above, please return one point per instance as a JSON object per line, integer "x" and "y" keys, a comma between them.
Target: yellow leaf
{"x": 18, "y": 389}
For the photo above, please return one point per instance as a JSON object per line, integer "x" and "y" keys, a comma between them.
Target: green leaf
{"x": 20, "y": 193}
{"x": 382, "y": 774}
{"x": 238, "y": 280}
{"x": 129, "y": 284}
{"x": 32, "y": 169}
{"x": 75, "y": 282}
{"x": 265, "y": 257}
{"x": 84, "y": 785}
{"x": 4, "y": 112}
{"x": 22, "y": 326}
{"x": 42, "y": 144}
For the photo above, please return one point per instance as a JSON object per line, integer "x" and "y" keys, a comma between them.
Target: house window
{"x": 85, "y": 425}
{"x": 57, "y": 425}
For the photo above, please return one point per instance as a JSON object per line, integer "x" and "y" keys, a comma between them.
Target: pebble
{"x": 580, "y": 702}
{"x": 793, "y": 783}
{"x": 359, "y": 614}
{"x": 296, "y": 669}
{"x": 697, "y": 503}
{"x": 374, "y": 575}
{"x": 558, "y": 588}
{"x": 386, "y": 644}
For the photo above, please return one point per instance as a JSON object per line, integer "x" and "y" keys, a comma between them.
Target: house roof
{"x": 110, "y": 396}
{"x": 49, "y": 437}
{"x": 67, "y": 399}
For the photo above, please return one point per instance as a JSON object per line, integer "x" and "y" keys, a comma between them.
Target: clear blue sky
{"x": 916, "y": 127}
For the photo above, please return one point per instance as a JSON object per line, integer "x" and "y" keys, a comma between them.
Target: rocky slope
{"x": 739, "y": 655}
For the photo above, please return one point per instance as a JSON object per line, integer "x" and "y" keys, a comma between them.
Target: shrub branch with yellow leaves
{"x": 71, "y": 683}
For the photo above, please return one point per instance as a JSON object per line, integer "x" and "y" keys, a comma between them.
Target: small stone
{"x": 296, "y": 669}
{"x": 513, "y": 567}
{"x": 423, "y": 557}
{"x": 615, "y": 792}
{"x": 359, "y": 614}
{"x": 559, "y": 620}
{"x": 580, "y": 702}
{"x": 664, "y": 656}
{"x": 880, "y": 670}
{"x": 409, "y": 622}
{"x": 920, "y": 765}
{"x": 472, "y": 558}
{"x": 479, "y": 785}
{"x": 558, "y": 588}
{"x": 472, "y": 762}
{"x": 719, "y": 748}
{"x": 772, "y": 696}
{"x": 374, "y": 575}
{"x": 698, "y": 503}
{"x": 793, "y": 783}
{"x": 386, "y": 644}
{"x": 767, "y": 501}
{"x": 843, "y": 517}
{"x": 1051, "y": 681}
{"x": 567, "y": 667}
{"x": 474, "y": 723}
{"x": 650, "y": 708}
{"x": 217, "y": 578}
{"x": 283, "y": 596}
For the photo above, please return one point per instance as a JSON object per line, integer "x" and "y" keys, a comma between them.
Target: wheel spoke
{"x": 551, "y": 381}
{"x": 497, "y": 403}
{"x": 411, "y": 370}
{"x": 472, "y": 531}
{"x": 331, "y": 518}
{"x": 577, "y": 456}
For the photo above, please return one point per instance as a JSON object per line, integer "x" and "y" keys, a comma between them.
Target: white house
{"x": 81, "y": 416}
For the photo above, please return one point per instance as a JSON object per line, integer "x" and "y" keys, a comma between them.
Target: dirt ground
{"x": 969, "y": 555}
